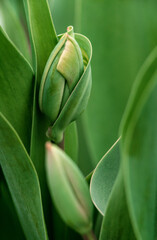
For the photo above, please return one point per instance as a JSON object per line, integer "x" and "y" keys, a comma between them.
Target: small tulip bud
{"x": 68, "y": 189}
{"x": 66, "y": 82}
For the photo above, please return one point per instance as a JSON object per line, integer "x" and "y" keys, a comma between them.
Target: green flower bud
{"x": 68, "y": 189}
{"x": 66, "y": 82}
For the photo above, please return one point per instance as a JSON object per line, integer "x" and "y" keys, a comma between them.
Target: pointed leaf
{"x": 104, "y": 176}
{"x": 22, "y": 181}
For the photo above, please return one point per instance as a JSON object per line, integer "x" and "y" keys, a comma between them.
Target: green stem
{"x": 61, "y": 144}
{"x": 89, "y": 236}
{"x": 78, "y": 15}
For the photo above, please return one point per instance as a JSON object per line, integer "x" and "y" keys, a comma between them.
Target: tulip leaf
{"x": 8, "y": 215}
{"x": 116, "y": 223}
{"x": 42, "y": 32}
{"x": 139, "y": 152}
{"x": 22, "y": 180}
{"x": 10, "y": 20}
{"x": 16, "y": 89}
{"x": 104, "y": 176}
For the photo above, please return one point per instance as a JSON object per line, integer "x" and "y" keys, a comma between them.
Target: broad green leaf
{"x": 139, "y": 151}
{"x": 116, "y": 223}
{"x": 16, "y": 89}
{"x": 23, "y": 182}
{"x": 104, "y": 176}
{"x": 11, "y": 21}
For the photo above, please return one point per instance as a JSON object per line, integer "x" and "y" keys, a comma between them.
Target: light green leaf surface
{"x": 16, "y": 89}
{"x": 104, "y": 176}
{"x": 23, "y": 182}
{"x": 139, "y": 151}
{"x": 11, "y": 21}
{"x": 116, "y": 223}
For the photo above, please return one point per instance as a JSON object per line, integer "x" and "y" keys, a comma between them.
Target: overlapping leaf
{"x": 11, "y": 21}
{"x": 22, "y": 181}
{"x": 116, "y": 223}
{"x": 16, "y": 89}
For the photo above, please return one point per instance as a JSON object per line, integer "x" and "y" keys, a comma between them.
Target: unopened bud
{"x": 69, "y": 190}
{"x": 66, "y": 82}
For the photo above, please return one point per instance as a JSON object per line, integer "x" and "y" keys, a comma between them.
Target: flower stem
{"x": 61, "y": 144}
{"x": 89, "y": 236}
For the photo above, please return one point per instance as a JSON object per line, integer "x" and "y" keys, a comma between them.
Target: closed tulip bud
{"x": 68, "y": 189}
{"x": 66, "y": 82}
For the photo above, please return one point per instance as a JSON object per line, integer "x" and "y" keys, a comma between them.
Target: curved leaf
{"x": 11, "y": 21}
{"x": 139, "y": 151}
{"x": 104, "y": 176}
{"x": 22, "y": 181}
{"x": 116, "y": 223}
{"x": 16, "y": 89}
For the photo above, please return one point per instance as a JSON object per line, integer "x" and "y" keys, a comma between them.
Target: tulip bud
{"x": 68, "y": 189}
{"x": 66, "y": 82}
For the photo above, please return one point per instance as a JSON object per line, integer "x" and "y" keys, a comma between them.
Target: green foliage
{"x": 22, "y": 181}
{"x": 124, "y": 182}
{"x": 104, "y": 176}
{"x": 139, "y": 151}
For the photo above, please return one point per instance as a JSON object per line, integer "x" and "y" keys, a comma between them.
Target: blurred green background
{"x": 122, "y": 32}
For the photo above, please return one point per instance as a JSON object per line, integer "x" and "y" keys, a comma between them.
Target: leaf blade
{"x": 22, "y": 181}
{"x": 104, "y": 176}
{"x": 16, "y": 91}
{"x": 139, "y": 152}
